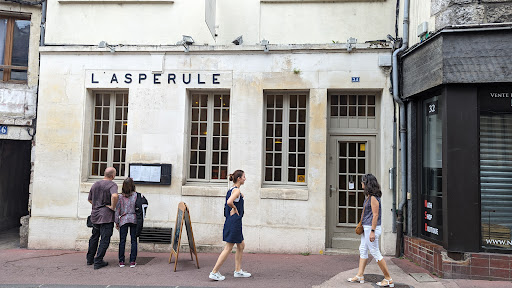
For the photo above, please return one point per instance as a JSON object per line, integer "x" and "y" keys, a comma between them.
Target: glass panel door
{"x": 352, "y": 165}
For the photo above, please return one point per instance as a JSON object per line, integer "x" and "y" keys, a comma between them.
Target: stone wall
{"x": 464, "y": 12}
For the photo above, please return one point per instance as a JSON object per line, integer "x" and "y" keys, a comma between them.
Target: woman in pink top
{"x": 125, "y": 218}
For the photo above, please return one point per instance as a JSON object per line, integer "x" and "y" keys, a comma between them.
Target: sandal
{"x": 386, "y": 283}
{"x": 359, "y": 279}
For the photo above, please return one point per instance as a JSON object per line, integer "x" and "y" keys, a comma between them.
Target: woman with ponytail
{"x": 232, "y": 232}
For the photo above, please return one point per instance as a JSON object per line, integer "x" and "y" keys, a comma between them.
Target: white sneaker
{"x": 242, "y": 274}
{"x": 216, "y": 276}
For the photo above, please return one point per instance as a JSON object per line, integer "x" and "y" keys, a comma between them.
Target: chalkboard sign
{"x": 159, "y": 174}
{"x": 183, "y": 216}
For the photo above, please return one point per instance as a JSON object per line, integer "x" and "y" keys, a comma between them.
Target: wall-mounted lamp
{"x": 265, "y": 43}
{"x": 186, "y": 42}
{"x": 104, "y": 44}
{"x": 238, "y": 41}
{"x": 351, "y": 42}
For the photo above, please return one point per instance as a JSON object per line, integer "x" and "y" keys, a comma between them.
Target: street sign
{"x": 3, "y": 130}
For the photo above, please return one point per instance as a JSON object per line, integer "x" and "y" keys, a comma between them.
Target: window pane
{"x": 21, "y": 37}
{"x": 201, "y": 173}
{"x": 268, "y": 159}
{"x": 20, "y": 75}
{"x": 3, "y": 34}
{"x": 292, "y": 160}
{"x": 270, "y": 115}
{"x": 279, "y": 130}
{"x": 193, "y": 157}
{"x": 302, "y": 116}
{"x": 293, "y": 101}
{"x": 277, "y": 159}
{"x": 334, "y": 99}
{"x": 195, "y": 114}
{"x": 291, "y": 175}
{"x": 216, "y": 115}
{"x": 277, "y": 174}
{"x": 224, "y": 158}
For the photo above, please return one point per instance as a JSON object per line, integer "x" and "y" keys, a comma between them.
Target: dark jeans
{"x": 105, "y": 232}
{"x": 123, "y": 231}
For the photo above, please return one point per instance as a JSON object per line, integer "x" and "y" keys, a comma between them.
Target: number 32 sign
{"x": 3, "y": 130}
{"x": 432, "y": 108}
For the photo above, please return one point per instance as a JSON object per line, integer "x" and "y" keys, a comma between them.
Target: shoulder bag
{"x": 359, "y": 227}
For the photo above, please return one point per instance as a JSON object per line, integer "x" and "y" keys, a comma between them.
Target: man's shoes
{"x": 90, "y": 263}
{"x": 121, "y": 264}
{"x": 216, "y": 276}
{"x": 132, "y": 264}
{"x": 101, "y": 265}
{"x": 241, "y": 274}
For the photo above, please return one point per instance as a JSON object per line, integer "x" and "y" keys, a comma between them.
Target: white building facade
{"x": 304, "y": 117}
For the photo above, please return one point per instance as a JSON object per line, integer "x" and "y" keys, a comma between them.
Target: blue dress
{"x": 232, "y": 232}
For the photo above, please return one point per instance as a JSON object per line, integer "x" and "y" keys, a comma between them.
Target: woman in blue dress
{"x": 232, "y": 232}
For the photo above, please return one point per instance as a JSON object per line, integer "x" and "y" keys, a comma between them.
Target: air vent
{"x": 155, "y": 235}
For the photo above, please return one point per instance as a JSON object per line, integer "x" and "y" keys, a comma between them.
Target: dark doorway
{"x": 15, "y": 165}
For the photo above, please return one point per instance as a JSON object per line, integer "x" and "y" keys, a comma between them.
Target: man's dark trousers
{"x": 104, "y": 231}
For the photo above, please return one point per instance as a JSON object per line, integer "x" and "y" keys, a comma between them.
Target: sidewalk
{"x": 65, "y": 268}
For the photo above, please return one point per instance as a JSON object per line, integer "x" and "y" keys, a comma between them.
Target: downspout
{"x": 393, "y": 170}
{"x": 403, "y": 130}
{"x": 43, "y": 24}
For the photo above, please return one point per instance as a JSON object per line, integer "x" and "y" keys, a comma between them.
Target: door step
{"x": 338, "y": 251}
{"x": 346, "y": 243}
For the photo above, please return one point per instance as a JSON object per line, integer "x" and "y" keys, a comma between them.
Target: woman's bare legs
{"x": 384, "y": 268}
{"x": 223, "y": 256}
{"x": 238, "y": 256}
{"x": 362, "y": 266}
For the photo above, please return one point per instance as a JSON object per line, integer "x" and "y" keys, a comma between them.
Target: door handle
{"x": 330, "y": 190}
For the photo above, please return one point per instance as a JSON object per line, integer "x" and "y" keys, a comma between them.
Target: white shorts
{"x": 366, "y": 245}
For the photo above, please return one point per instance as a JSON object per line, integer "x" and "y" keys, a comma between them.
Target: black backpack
{"x": 141, "y": 205}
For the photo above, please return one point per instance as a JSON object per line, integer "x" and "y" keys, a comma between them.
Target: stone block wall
{"x": 434, "y": 258}
{"x": 464, "y": 12}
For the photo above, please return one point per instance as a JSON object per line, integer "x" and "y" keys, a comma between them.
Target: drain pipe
{"x": 403, "y": 131}
{"x": 43, "y": 23}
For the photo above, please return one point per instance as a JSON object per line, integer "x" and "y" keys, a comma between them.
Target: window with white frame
{"x": 285, "y": 137}
{"x": 209, "y": 136}
{"x": 109, "y": 132}
{"x": 14, "y": 48}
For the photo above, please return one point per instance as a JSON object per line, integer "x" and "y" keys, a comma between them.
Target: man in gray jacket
{"x": 103, "y": 197}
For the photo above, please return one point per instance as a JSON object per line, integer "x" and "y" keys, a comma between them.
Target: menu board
{"x": 151, "y": 173}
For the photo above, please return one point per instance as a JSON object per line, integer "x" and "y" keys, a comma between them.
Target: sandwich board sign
{"x": 182, "y": 217}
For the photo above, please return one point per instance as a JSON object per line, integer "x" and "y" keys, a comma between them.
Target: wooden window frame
{"x": 9, "y": 39}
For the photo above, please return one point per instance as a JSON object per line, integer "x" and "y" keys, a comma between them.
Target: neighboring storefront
{"x": 303, "y": 123}
{"x": 460, "y": 161}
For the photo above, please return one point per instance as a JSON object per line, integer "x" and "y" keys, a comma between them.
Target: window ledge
{"x": 198, "y": 190}
{"x": 285, "y": 193}
{"x": 85, "y": 186}
{"x": 116, "y": 1}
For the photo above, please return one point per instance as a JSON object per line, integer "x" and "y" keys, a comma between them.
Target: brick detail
{"x": 434, "y": 258}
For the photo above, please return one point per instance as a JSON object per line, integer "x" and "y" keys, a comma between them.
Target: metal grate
{"x": 155, "y": 235}
{"x": 144, "y": 260}
{"x": 374, "y": 278}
